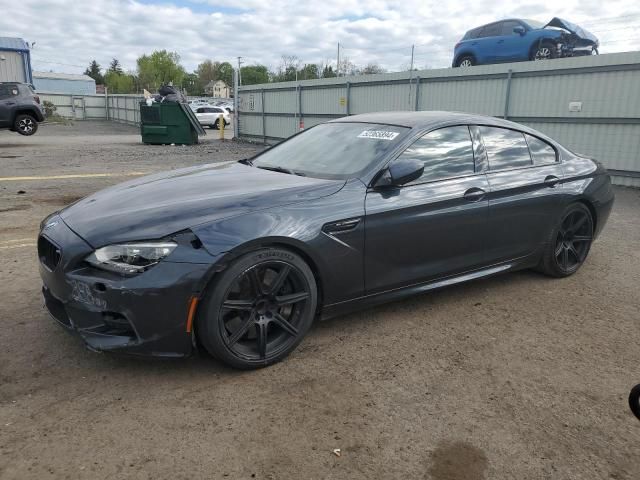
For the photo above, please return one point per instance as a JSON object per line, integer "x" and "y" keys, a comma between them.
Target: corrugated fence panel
{"x": 474, "y": 96}
{"x": 325, "y": 100}
{"x": 94, "y": 107}
{"x": 379, "y": 98}
{"x": 590, "y": 104}
{"x": 63, "y": 103}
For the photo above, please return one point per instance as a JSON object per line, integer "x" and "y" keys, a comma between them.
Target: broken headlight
{"x": 129, "y": 258}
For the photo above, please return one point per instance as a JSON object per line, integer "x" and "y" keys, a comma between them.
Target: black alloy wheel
{"x": 570, "y": 242}
{"x": 259, "y": 309}
{"x": 25, "y": 125}
{"x": 634, "y": 401}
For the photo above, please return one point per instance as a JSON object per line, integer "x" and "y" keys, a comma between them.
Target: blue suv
{"x": 517, "y": 40}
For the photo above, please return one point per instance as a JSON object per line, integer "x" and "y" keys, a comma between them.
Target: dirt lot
{"x": 516, "y": 377}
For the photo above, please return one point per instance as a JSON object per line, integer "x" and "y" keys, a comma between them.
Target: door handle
{"x": 474, "y": 194}
{"x": 551, "y": 181}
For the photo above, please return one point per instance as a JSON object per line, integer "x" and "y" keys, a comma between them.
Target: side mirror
{"x": 401, "y": 172}
{"x": 519, "y": 30}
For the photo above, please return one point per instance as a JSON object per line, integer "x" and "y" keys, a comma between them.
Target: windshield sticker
{"x": 378, "y": 134}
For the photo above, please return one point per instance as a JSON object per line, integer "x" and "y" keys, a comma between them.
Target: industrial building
{"x": 15, "y": 60}
{"x": 51, "y": 82}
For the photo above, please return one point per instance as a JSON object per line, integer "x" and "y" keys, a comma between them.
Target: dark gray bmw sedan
{"x": 239, "y": 258}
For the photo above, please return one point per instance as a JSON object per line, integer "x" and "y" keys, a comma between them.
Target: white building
{"x": 218, "y": 89}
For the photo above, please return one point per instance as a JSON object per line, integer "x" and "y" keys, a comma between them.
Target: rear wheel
{"x": 569, "y": 243}
{"x": 466, "y": 61}
{"x": 25, "y": 124}
{"x": 259, "y": 309}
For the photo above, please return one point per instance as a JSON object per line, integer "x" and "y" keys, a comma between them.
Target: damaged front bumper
{"x": 144, "y": 314}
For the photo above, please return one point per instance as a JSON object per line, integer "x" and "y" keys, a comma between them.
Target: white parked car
{"x": 210, "y": 116}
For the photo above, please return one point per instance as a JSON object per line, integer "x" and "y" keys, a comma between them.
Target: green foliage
{"x": 192, "y": 84}
{"x": 309, "y": 72}
{"x": 160, "y": 68}
{"x": 49, "y": 108}
{"x": 225, "y": 73}
{"x": 120, "y": 82}
{"x": 115, "y": 66}
{"x": 254, "y": 74}
{"x": 328, "y": 72}
{"x": 94, "y": 71}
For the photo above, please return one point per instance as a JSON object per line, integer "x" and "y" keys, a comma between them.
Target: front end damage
{"x": 145, "y": 313}
{"x": 574, "y": 41}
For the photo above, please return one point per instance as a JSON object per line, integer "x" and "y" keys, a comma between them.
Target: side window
{"x": 446, "y": 153}
{"x": 505, "y": 148}
{"x": 200, "y": 110}
{"x": 541, "y": 152}
{"x": 507, "y": 27}
{"x": 493, "y": 30}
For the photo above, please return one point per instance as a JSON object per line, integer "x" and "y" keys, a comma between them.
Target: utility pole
{"x": 236, "y": 103}
{"x": 410, "y": 75}
{"x": 338, "y": 62}
{"x": 240, "y": 62}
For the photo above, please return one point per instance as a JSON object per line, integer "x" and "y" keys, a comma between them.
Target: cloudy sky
{"x": 69, "y": 34}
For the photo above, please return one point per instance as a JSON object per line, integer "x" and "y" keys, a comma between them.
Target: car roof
{"x": 428, "y": 119}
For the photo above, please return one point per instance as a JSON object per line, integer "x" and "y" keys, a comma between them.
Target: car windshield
{"x": 332, "y": 150}
{"x": 534, "y": 23}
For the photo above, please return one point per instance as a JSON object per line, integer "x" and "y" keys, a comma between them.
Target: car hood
{"x": 158, "y": 205}
{"x": 585, "y": 36}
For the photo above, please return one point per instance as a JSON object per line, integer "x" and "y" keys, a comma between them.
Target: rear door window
{"x": 541, "y": 152}
{"x": 492, "y": 30}
{"x": 505, "y": 148}
{"x": 446, "y": 153}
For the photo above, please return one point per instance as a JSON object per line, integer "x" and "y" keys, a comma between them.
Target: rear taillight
{"x": 37, "y": 99}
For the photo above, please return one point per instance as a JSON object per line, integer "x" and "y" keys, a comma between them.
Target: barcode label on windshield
{"x": 378, "y": 134}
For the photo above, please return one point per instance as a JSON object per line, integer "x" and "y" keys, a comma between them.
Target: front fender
{"x": 336, "y": 258}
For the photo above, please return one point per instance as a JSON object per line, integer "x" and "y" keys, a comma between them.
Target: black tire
{"x": 466, "y": 61}
{"x": 634, "y": 401}
{"x": 25, "y": 124}
{"x": 246, "y": 329}
{"x": 544, "y": 51}
{"x": 569, "y": 243}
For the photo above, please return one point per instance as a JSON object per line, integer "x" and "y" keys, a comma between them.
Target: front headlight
{"x": 128, "y": 258}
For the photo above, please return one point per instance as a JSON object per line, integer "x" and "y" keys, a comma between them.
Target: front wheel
{"x": 25, "y": 125}
{"x": 569, "y": 243}
{"x": 259, "y": 309}
{"x": 634, "y": 401}
{"x": 545, "y": 51}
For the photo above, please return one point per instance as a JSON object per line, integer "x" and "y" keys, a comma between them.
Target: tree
{"x": 120, "y": 82}
{"x": 254, "y": 74}
{"x": 372, "y": 69}
{"x": 288, "y": 69}
{"x": 347, "y": 67}
{"x": 207, "y": 71}
{"x": 115, "y": 66}
{"x": 94, "y": 71}
{"x": 192, "y": 84}
{"x": 310, "y": 71}
{"x": 160, "y": 68}
{"x": 327, "y": 72}
{"x": 224, "y": 72}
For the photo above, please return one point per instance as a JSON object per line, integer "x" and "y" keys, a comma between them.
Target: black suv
{"x": 20, "y": 109}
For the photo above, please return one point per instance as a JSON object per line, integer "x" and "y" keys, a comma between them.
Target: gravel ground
{"x": 515, "y": 377}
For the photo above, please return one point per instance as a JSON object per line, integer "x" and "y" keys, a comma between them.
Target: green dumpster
{"x": 164, "y": 123}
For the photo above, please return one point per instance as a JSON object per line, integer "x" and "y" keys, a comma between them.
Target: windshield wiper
{"x": 282, "y": 170}
{"x": 246, "y": 161}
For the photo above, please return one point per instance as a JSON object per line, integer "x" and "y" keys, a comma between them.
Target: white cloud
{"x": 69, "y": 34}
